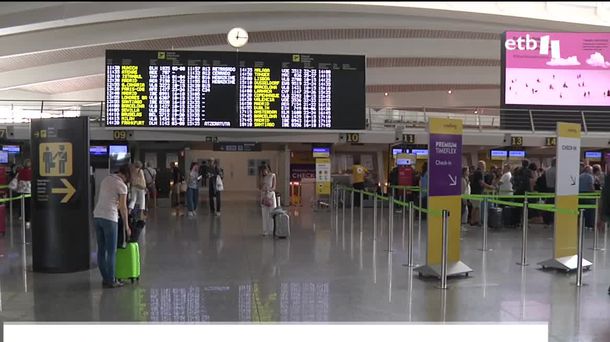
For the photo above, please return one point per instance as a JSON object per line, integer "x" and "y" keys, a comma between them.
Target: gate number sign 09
{"x": 119, "y": 135}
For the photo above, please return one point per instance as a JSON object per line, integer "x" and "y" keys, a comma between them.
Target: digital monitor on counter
{"x": 98, "y": 150}
{"x": 420, "y": 153}
{"x": 516, "y": 155}
{"x": 593, "y": 155}
{"x": 14, "y": 149}
{"x": 498, "y": 154}
{"x": 321, "y": 152}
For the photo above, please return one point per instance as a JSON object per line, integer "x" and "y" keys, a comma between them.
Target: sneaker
{"x": 218, "y": 213}
{"x": 112, "y": 285}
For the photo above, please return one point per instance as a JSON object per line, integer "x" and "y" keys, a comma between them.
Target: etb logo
{"x": 527, "y": 43}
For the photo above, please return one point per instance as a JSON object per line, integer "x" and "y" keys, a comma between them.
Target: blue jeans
{"x": 107, "y": 234}
{"x": 192, "y": 198}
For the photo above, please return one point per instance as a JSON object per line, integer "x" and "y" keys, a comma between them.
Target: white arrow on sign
{"x": 453, "y": 180}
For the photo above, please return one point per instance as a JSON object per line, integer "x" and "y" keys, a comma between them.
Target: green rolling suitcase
{"x": 128, "y": 262}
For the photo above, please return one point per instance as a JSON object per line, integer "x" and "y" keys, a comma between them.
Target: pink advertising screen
{"x": 557, "y": 69}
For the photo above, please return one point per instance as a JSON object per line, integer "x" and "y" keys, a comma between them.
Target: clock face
{"x": 237, "y": 37}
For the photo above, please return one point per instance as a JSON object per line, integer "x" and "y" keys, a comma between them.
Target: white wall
{"x": 235, "y": 166}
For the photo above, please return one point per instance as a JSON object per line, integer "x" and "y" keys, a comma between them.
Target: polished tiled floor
{"x": 221, "y": 269}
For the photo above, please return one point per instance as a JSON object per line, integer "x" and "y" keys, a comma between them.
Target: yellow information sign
{"x": 55, "y": 159}
{"x": 323, "y": 170}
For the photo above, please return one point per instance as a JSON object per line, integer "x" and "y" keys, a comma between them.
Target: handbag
{"x": 219, "y": 184}
{"x": 182, "y": 186}
{"x": 267, "y": 199}
{"x": 13, "y": 184}
{"x": 24, "y": 187}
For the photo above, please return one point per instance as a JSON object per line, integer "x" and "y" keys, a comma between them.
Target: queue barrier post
{"x": 352, "y": 216}
{"x": 10, "y": 208}
{"x": 375, "y": 217}
{"x": 410, "y": 236}
{"x": 595, "y": 230}
{"x": 390, "y": 222}
{"x": 23, "y": 218}
{"x": 444, "y": 251}
{"x": 524, "y": 221}
{"x": 485, "y": 225}
{"x": 579, "y": 251}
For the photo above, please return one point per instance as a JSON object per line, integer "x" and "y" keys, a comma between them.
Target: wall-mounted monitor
{"x": 228, "y": 90}
{"x": 556, "y": 69}
{"x": 117, "y": 149}
{"x": 498, "y": 154}
{"x": 13, "y": 149}
{"x": 593, "y": 155}
{"x": 320, "y": 152}
{"x": 98, "y": 151}
{"x": 516, "y": 155}
{"x": 3, "y": 157}
{"x": 420, "y": 153}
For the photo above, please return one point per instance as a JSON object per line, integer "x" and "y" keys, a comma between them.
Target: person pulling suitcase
{"x": 111, "y": 202}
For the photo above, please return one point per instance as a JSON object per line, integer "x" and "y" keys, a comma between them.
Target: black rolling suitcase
{"x": 494, "y": 217}
{"x": 510, "y": 216}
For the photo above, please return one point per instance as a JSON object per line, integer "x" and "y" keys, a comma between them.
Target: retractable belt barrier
{"x": 504, "y": 200}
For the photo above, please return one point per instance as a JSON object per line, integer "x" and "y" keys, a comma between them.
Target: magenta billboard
{"x": 556, "y": 69}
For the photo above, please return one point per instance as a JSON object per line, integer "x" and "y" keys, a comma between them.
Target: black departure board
{"x": 204, "y": 89}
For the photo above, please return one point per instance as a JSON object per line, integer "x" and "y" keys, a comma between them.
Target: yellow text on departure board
{"x": 132, "y": 96}
{"x": 265, "y": 94}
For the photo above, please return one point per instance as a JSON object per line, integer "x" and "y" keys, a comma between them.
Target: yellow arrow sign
{"x": 69, "y": 190}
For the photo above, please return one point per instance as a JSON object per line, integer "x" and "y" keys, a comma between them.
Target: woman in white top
{"x": 268, "y": 202}
{"x": 137, "y": 195}
{"x": 505, "y": 184}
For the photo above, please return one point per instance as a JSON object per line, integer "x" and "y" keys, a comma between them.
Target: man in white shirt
{"x": 111, "y": 201}
{"x": 505, "y": 184}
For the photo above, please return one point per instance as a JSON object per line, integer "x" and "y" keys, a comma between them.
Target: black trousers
{"x": 214, "y": 198}
{"x": 357, "y": 186}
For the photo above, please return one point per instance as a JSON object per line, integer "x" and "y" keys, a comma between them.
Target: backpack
{"x": 541, "y": 184}
{"x": 520, "y": 181}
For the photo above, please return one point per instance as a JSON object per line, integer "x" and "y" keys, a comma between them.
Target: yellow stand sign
{"x": 566, "y": 199}
{"x": 444, "y": 194}
{"x": 323, "y": 169}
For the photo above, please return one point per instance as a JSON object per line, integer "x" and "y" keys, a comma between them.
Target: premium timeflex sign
{"x": 444, "y": 193}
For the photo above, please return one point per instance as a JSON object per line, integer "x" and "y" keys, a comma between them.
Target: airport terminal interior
{"x": 328, "y": 162}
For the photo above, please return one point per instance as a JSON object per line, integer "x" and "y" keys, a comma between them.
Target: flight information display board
{"x": 203, "y": 89}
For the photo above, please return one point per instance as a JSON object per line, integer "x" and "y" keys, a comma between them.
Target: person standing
{"x": 505, "y": 183}
{"x": 465, "y": 191}
{"x": 359, "y": 173}
{"x": 150, "y": 175}
{"x": 138, "y": 189}
{"x": 586, "y": 184}
{"x": 192, "y": 190}
{"x": 423, "y": 188}
{"x": 24, "y": 187}
{"x": 111, "y": 201}
{"x": 550, "y": 176}
{"x": 477, "y": 187}
{"x": 216, "y": 176}
{"x": 175, "y": 187}
{"x": 268, "y": 199}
